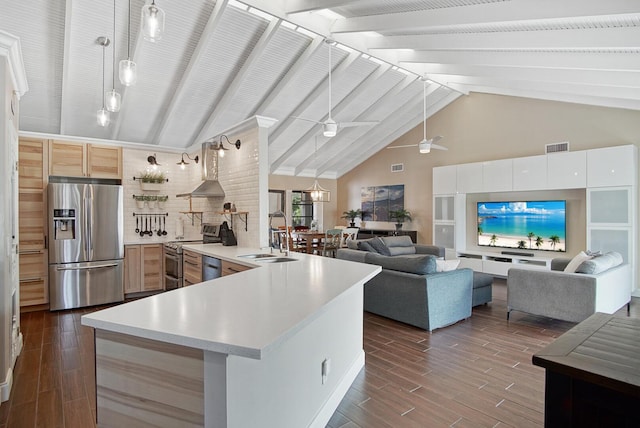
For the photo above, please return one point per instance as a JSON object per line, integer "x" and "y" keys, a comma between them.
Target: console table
{"x": 593, "y": 374}
{"x": 370, "y": 233}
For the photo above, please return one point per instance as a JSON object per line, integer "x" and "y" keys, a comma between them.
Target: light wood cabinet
{"x": 32, "y": 222}
{"x": 191, "y": 267}
{"x": 73, "y": 159}
{"x": 229, "y": 268}
{"x": 143, "y": 268}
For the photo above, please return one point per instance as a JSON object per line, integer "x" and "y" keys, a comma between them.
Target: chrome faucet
{"x": 286, "y": 234}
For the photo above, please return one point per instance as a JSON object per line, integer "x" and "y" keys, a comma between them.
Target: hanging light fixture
{"x": 127, "y": 71}
{"x": 103, "y": 117}
{"x": 113, "y": 97}
{"x": 152, "y": 22}
{"x": 153, "y": 162}
{"x": 317, "y": 192}
{"x": 219, "y": 146}
{"x": 182, "y": 163}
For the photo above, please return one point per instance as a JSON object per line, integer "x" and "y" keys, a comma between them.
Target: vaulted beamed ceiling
{"x": 222, "y": 62}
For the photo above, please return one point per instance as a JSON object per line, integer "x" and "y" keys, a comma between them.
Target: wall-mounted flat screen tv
{"x": 529, "y": 225}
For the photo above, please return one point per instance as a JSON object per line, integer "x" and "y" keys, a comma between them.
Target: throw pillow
{"x": 577, "y": 261}
{"x": 401, "y": 251}
{"x": 446, "y": 265}
{"x": 417, "y": 265}
{"x": 366, "y": 246}
{"x": 600, "y": 264}
{"x": 379, "y": 246}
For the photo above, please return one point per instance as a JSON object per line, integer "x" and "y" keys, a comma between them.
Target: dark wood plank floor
{"x": 475, "y": 373}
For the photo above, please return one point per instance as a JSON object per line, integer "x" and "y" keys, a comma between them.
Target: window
{"x": 301, "y": 208}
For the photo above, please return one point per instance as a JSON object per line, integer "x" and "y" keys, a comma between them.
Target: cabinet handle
{"x": 31, "y": 252}
{"x": 191, "y": 263}
{"x": 32, "y": 280}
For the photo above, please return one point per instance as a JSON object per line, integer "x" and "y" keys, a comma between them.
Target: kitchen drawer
{"x": 191, "y": 267}
{"x": 34, "y": 291}
{"x": 229, "y": 268}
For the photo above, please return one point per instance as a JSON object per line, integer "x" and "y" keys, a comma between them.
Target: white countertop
{"x": 244, "y": 314}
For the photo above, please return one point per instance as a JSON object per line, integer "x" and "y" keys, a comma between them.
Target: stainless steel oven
{"x": 173, "y": 264}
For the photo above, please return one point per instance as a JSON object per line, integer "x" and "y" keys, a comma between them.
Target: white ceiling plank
{"x": 552, "y": 96}
{"x": 233, "y": 88}
{"x": 594, "y": 39}
{"x": 310, "y": 99}
{"x": 485, "y": 13}
{"x": 65, "y": 68}
{"x": 273, "y": 93}
{"x": 574, "y": 60}
{"x": 629, "y": 79}
{"x": 298, "y": 6}
{"x": 205, "y": 38}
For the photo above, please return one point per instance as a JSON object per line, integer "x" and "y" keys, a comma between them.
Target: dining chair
{"x": 331, "y": 242}
{"x": 348, "y": 234}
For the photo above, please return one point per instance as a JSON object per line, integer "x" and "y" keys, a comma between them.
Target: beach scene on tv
{"x": 531, "y": 225}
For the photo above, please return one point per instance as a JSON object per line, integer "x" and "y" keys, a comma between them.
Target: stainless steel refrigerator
{"x": 86, "y": 245}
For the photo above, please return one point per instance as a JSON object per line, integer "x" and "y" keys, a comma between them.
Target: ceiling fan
{"x": 425, "y": 145}
{"x": 330, "y": 126}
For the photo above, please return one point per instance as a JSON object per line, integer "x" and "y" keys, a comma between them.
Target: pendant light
{"x": 152, "y": 22}
{"x": 127, "y": 70}
{"x": 317, "y": 192}
{"x": 103, "y": 116}
{"x": 113, "y": 97}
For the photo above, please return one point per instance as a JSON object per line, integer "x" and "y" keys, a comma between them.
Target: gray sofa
{"x": 410, "y": 290}
{"x": 570, "y": 296}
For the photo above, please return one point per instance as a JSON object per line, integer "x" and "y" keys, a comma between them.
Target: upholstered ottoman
{"x": 481, "y": 288}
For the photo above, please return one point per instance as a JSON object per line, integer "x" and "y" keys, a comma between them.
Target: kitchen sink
{"x": 277, "y": 260}
{"x": 256, "y": 256}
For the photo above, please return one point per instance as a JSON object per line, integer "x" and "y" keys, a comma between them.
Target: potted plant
{"x": 162, "y": 200}
{"x": 352, "y": 215}
{"x": 400, "y": 216}
{"x": 139, "y": 201}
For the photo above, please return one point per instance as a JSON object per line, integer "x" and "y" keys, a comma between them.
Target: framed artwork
{"x": 377, "y": 201}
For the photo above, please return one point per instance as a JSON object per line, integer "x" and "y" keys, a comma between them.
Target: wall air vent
{"x": 397, "y": 167}
{"x": 556, "y": 147}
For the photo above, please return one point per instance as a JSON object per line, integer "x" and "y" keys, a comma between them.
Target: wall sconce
{"x": 153, "y": 162}
{"x": 221, "y": 148}
{"x": 182, "y": 163}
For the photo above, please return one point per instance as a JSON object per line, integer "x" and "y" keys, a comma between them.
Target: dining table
{"x": 309, "y": 236}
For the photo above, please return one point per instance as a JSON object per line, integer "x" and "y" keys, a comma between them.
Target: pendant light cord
{"x": 329, "y": 42}
{"x": 103, "y": 49}
{"x": 424, "y": 98}
{"x": 129, "y": 32}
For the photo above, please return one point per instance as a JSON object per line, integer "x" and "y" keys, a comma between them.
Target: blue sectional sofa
{"x": 409, "y": 289}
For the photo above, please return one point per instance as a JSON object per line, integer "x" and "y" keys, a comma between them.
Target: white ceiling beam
{"x": 390, "y": 138}
{"x": 241, "y": 75}
{"x": 342, "y": 106}
{"x": 600, "y": 91}
{"x": 162, "y": 123}
{"x": 574, "y": 60}
{"x": 298, "y": 6}
{"x": 490, "y": 13}
{"x": 599, "y": 38}
{"x": 629, "y": 79}
{"x": 292, "y": 72}
{"x": 310, "y": 99}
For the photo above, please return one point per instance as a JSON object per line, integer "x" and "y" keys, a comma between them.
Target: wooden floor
{"x": 476, "y": 373}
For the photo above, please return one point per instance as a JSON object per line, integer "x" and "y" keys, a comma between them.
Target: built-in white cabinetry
{"x": 499, "y": 264}
{"x": 530, "y": 173}
{"x": 444, "y": 180}
{"x": 497, "y": 176}
{"x": 611, "y": 166}
{"x": 567, "y": 170}
{"x": 469, "y": 178}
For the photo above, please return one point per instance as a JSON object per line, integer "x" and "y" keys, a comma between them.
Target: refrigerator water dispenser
{"x": 64, "y": 224}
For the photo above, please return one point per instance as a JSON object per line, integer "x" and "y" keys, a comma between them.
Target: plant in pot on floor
{"x": 352, "y": 215}
{"x": 400, "y": 216}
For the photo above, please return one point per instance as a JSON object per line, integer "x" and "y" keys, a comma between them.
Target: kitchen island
{"x": 276, "y": 345}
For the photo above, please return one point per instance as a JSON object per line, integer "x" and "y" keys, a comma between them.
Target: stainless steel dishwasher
{"x": 211, "y": 268}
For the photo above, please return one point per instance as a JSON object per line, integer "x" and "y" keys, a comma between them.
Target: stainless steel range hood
{"x": 210, "y": 187}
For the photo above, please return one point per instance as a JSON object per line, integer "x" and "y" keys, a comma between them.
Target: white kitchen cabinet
{"x": 530, "y": 173}
{"x": 611, "y": 166}
{"x": 497, "y": 176}
{"x": 444, "y": 180}
{"x": 567, "y": 170}
{"x": 469, "y": 178}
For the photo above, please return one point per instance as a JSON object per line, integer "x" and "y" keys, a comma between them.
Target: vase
{"x": 398, "y": 226}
